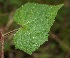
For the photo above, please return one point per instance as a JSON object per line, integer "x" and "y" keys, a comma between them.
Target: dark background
{"x": 58, "y": 45}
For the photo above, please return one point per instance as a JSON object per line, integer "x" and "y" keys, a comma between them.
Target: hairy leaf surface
{"x": 36, "y": 21}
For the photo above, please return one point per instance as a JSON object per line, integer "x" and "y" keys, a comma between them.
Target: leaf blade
{"x": 37, "y": 19}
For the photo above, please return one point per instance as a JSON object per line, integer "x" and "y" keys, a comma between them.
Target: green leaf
{"x": 36, "y": 21}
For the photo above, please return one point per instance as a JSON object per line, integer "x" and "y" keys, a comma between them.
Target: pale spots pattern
{"x": 36, "y": 21}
